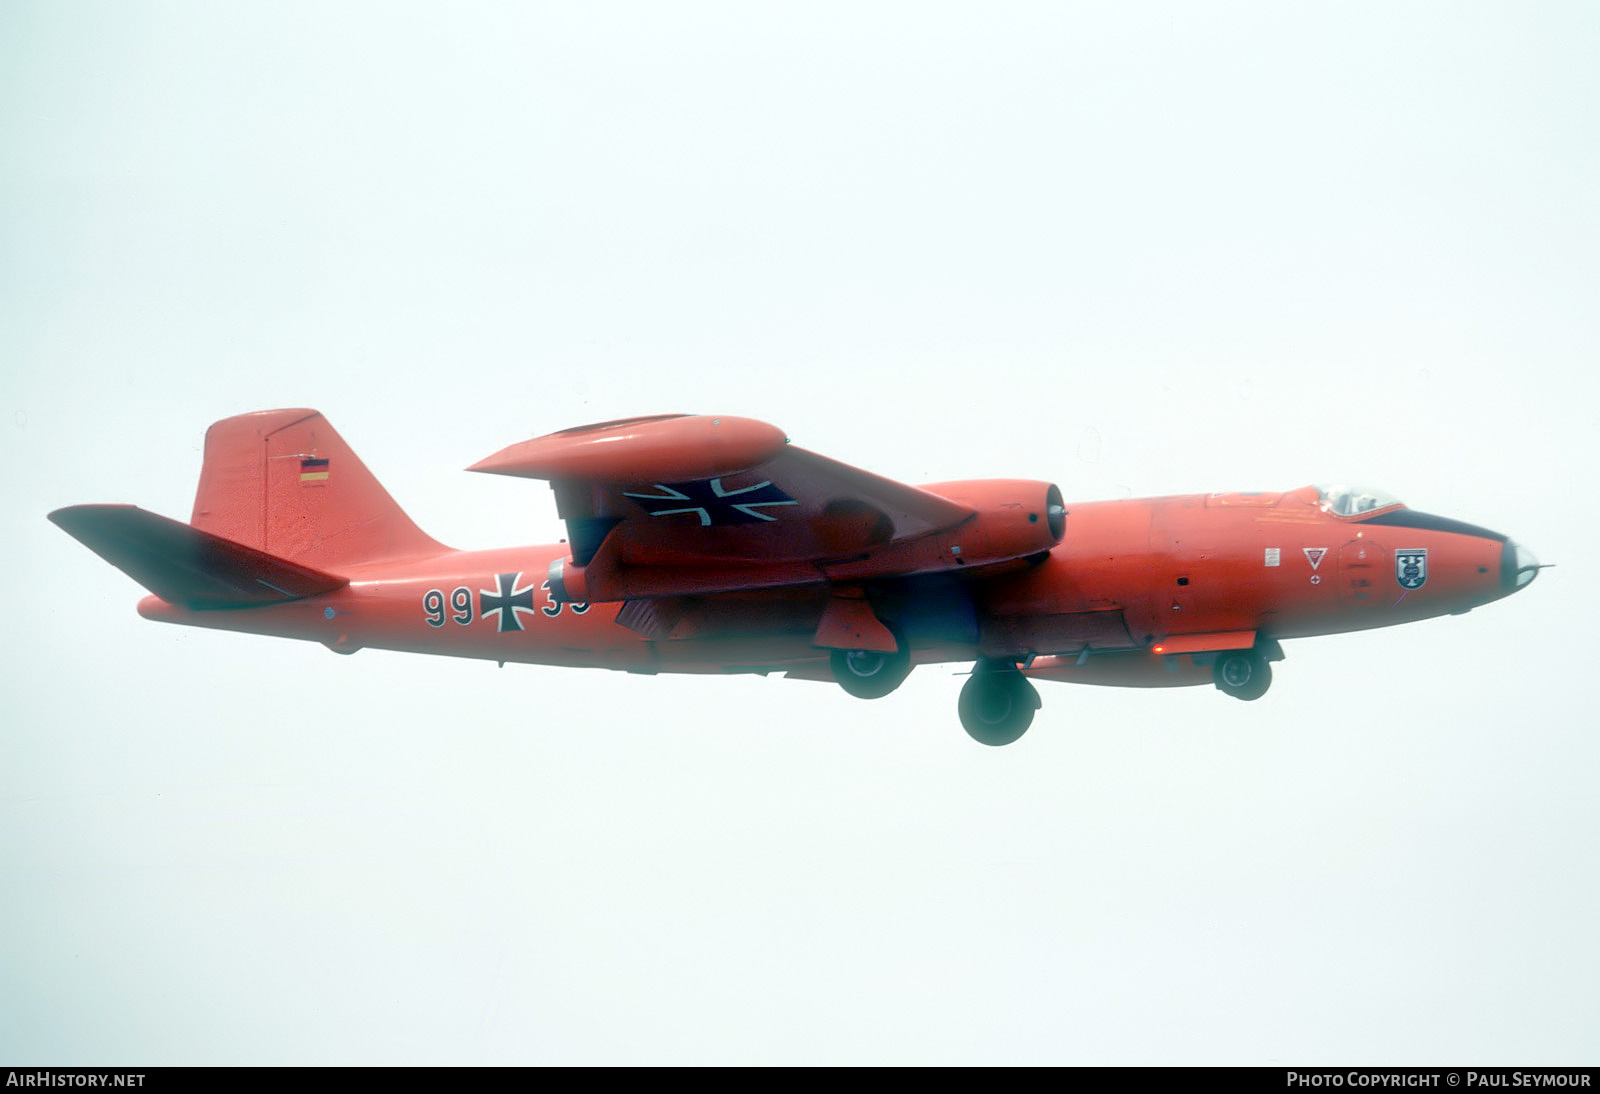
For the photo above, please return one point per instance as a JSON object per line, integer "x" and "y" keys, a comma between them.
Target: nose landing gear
{"x": 997, "y": 703}
{"x": 1243, "y": 674}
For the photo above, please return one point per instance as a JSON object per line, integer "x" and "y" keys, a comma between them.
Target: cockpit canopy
{"x": 1354, "y": 501}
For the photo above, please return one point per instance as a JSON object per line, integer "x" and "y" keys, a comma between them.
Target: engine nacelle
{"x": 1016, "y": 517}
{"x": 1012, "y": 519}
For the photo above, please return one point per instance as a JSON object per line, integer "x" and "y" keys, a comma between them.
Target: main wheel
{"x": 997, "y": 704}
{"x": 1243, "y": 674}
{"x": 871, "y": 674}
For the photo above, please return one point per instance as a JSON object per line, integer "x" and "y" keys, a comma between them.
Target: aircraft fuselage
{"x": 1128, "y": 575}
{"x": 712, "y": 545}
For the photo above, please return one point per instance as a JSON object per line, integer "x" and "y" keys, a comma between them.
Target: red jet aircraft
{"x": 712, "y": 545}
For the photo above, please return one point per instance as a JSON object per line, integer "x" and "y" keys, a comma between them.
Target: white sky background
{"x": 1136, "y": 249}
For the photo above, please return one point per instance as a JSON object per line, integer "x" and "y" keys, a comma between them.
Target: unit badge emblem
{"x": 1411, "y": 567}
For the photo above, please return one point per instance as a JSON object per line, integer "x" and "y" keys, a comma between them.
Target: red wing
{"x": 726, "y": 496}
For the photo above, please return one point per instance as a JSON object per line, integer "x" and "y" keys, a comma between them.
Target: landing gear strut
{"x": 1243, "y": 674}
{"x": 870, "y": 674}
{"x": 997, "y": 703}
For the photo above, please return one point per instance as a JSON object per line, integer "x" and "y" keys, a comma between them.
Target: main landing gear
{"x": 869, "y": 674}
{"x": 1243, "y": 674}
{"x": 997, "y": 703}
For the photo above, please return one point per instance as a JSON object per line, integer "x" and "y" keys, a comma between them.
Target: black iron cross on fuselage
{"x": 507, "y": 602}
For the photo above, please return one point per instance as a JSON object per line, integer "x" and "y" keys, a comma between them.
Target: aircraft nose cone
{"x": 1517, "y": 566}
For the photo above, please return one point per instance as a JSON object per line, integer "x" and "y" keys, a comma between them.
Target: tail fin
{"x": 283, "y": 482}
{"x": 183, "y": 565}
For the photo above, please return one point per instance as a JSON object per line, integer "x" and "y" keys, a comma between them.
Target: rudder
{"x": 284, "y": 482}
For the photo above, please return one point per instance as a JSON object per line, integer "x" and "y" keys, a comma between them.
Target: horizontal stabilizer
{"x": 183, "y": 565}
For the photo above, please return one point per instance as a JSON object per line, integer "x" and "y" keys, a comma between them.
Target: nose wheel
{"x": 1243, "y": 674}
{"x": 997, "y": 703}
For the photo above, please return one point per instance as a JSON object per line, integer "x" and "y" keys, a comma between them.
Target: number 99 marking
{"x": 459, "y": 609}
{"x": 433, "y": 607}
